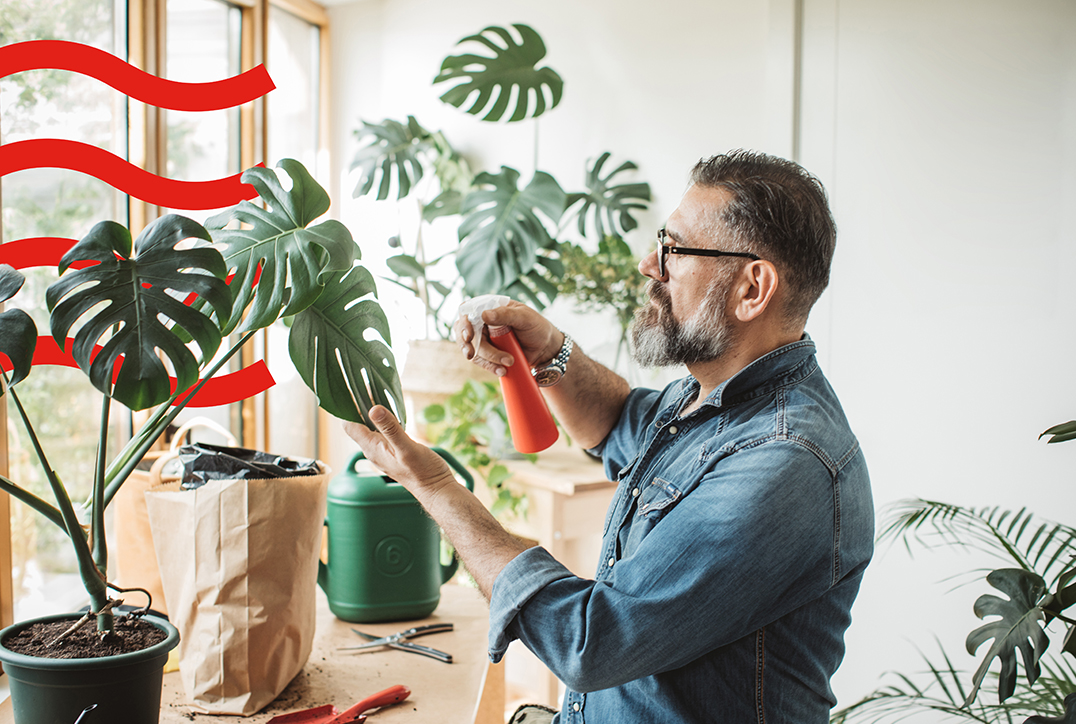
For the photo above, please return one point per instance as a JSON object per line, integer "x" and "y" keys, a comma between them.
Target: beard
{"x": 658, "y": 339}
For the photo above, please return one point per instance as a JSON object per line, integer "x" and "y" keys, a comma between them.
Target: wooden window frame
{"x": 147, "y": 147}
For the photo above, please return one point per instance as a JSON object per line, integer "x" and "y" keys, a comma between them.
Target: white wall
{"x": 945, "y": 131}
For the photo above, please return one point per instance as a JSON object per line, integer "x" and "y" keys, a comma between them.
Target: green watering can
{"x": 384, "y": 551}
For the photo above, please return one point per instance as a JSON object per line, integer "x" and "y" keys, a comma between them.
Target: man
{"x": 742, "y": 522}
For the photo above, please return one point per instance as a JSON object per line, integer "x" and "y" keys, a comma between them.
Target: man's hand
{"x": 391, "y": 450}
{"x": 481, "y": 543}
{"x": 538, "y": 337}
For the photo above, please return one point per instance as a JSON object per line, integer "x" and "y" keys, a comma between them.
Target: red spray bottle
{"x": 529, "y": 418}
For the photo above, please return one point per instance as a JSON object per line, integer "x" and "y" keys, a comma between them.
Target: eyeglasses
{"x": 664, "y": 249}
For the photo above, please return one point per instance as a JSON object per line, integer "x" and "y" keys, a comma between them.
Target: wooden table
{"x": 468, "y": 691}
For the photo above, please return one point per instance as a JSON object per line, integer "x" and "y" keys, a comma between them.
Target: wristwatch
{"x": 550, "y": 373}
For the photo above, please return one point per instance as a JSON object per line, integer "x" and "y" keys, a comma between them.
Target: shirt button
{"x": 673, "y": 429}
{"x": 611, "y": 562}
{"x": 575, "y": 706}
{"x": 635, "y": 492}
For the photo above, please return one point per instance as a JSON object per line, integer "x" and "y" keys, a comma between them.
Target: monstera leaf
{"x": 392, "y": 149}
{"x": 501, "y": 233}
{"x": 143, "y": 313}
{"x": 280, "y": 265}
{"x": 348, "y": 373}
{"x": 538, "y": 286}
{"x": 18, "y": 333}
{"x": 511, "y": 67}
{"x": 609, "y": 205}
{"x": 1018, "y": 627}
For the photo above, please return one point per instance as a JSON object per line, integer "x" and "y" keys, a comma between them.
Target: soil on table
{"x": 130, "y": 634}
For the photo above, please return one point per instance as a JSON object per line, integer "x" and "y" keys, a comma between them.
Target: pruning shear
{"x": 400, "y": 641}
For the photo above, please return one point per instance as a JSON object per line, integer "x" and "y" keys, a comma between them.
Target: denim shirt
{"x": 731, "y": 554}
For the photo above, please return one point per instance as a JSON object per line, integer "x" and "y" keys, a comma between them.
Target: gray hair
{"x": 780, "y": 212}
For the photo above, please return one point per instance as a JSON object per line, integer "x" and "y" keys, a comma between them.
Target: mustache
{"x": 657, "y": 291}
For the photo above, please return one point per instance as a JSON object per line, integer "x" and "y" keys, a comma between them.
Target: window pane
{"x": 294, "y": 107}
{"x": 203, "y": 46}
{"x": 62, "y": 405}
{"x": 292, "y": 132}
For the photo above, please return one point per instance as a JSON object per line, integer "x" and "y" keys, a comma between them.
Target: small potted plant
{"x": 150, "y": 322}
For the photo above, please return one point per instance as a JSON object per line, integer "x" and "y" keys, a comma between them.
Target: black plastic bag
{"x": 203, "y": 462}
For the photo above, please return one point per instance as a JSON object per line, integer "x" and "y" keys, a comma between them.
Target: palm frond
{"x": 1013, "y": 536}
{"x": 938, "y": 690}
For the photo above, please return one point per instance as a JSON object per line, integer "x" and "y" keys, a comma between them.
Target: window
{"x": 295, "y": 130}
{"x": 185, "y": 40}
{"x": 52, "y": 202}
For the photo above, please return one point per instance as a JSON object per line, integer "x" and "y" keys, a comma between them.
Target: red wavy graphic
{"x": 107, "y": 68}
{"x": 128, "y": 178}
{"x": 220, "y": 390}
{"x": 38, "y": 251}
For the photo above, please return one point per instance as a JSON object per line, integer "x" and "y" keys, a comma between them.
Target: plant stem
{"x": 163, "y": 416}
{"x": 97, "y": 507}
{"x": 41, "y": 506}
{"x": 92, "y": 579}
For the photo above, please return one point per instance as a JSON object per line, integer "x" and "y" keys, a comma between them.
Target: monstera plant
{"x": 151, "y": 321}
{"x": 1038, "y": 584}
{"x": 508, "y": 227}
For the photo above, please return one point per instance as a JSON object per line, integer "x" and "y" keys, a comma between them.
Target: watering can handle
{"x": 449, "y": 570}
{"x": 453, "y": 463}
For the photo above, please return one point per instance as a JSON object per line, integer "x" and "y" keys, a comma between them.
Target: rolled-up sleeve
{"x": 524, "y": 576}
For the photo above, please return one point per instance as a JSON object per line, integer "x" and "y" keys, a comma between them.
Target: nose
{"x": 648, "y": 266}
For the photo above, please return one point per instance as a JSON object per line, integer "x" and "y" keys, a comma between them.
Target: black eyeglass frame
{"x": 666, "y": 249}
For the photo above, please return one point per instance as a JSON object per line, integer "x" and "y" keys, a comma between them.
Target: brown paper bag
{"x": 136, "y": 562}
{"x": 239, "y": 564}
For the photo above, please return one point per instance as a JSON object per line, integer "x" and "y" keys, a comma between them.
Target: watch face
{"x": 548, "y": 376}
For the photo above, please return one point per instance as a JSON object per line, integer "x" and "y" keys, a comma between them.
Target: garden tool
{"x": 329, "y": 714}
{"x": 85, "y": 711}
{"x": 400, "y": 641}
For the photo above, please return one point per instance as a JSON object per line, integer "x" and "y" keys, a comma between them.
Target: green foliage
{"x": 132, "y": 301}
{"x": 609, "y": 279}
{"x": 18, "y": 334}
{"x": 508, "y": 235}
{"x": 1044, "y": 555}
{"x": 281, "y": 262}
{"x": 1013, "y": 537}
{"x": 391, "y": 149}
{"x": 512, "y": 67}
{"x": 1018, "y": 626}
{"x": 608, "y": 206}
{"x": 503, "y": 233}
{"x": 468, "y": 425}
{"x": 940, "y": 690}
{"x": 348, "y": 372}
{"x": 143, "y": 310}
{"x": 1061, "y": 433}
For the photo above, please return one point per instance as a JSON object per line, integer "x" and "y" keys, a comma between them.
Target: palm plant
{"x": 149, "y": 318}
{"x": 507, "y": 228}
{"x": 940, "y": 690}
{"x": 1038, "y": 583}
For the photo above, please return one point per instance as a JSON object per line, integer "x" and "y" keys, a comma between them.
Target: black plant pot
{"x": 125, "y": 688}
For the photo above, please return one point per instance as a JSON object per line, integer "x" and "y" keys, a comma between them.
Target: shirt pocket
{"x": 656, "y": 497}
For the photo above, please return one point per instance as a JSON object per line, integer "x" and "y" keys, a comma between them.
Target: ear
{"x": 756, "y": 290}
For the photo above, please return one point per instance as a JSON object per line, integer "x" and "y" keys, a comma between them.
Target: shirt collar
{"x": 783, "y": 366}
